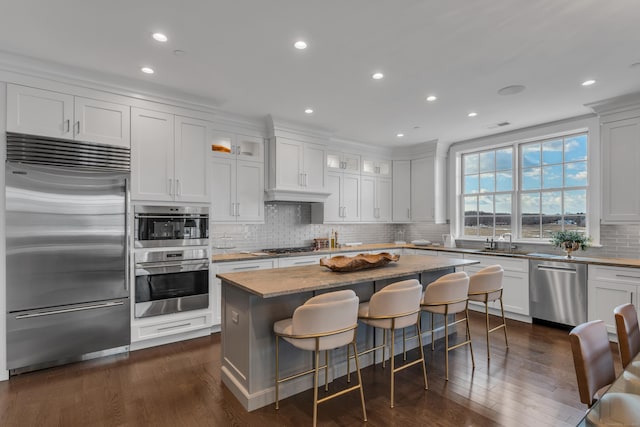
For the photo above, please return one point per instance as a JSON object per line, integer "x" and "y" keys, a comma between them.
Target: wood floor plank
{"x": 532, "y": 383}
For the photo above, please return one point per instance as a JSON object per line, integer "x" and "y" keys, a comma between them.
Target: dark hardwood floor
{"x": 531, "y": 384}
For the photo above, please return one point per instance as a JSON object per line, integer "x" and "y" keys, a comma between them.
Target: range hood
{"x": 280, "y": 195}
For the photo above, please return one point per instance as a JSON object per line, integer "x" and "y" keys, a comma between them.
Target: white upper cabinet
{"x": 237, "y": 186}
{"x": 422, "y": 189}
{"x": 168, "y": 157}
{"x": 190, "y": 160}
{"x": 620, "y": 172}
{"x": 299, "y": 166}
{"x": 242, "y": 147}
{"x": 53, "y": 114}
{"x": 343, "y": 162}
{"x": 343, "y": 203}
{"x": 428, "y": 183}
{"x": 375, "y": 199}
{"x": 401, "y": 191}
{"x": 376, "y": 167}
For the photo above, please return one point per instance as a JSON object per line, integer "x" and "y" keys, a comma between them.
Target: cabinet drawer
{"x": 616, "y": 274}
{"x": 508, "y": 264}
{"x": 245, "y": 266}
{"x": 174, "y": 327}
{"x": 300, "y": 261}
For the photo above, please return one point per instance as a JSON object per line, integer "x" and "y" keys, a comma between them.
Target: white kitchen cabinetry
{"x": 609, "y": 287}
{"x": 343, "y": 162}
{"x": 422, "y": 189}
{"x": 231, "y": 267}
{"x": 163, "y": 326}
{"x": 58, "y": 115}
{"x": 515, "y": 282}
{"x": 241, "y": 147}
{"x": 237, "y": 188}
{"x": 299, "y": 166}
{"x": 343, "y": 203}
{"x": 237, "y": 178}
{"x": 620, "y": 134}
{"x": 375, "y": 199}
{"x": 299, "y": 261}
{"x": 168, "y": 157}
{"x": 401, "y": 210}
{"x": 376, "y": 167}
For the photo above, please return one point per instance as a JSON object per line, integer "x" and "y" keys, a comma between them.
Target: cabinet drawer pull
{"x": 627, "y": 276}
{"x": 247, "y": 267}
{"x": 304, "y": 262}
{"x": 67, "y": 124}
{"x": 170, "y": 187}
{"x": 174, "y": 326}
{"x": 78, "y": 127}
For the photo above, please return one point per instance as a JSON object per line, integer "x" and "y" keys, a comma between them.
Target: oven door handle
{"x": 170, "y": 267}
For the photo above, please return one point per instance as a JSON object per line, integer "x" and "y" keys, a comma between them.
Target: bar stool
{"x": 486, "y": 286}
{"x": 592, "y": 360}
{"x": 448, "y": 295}
{"x": 322, "y": 323}
{"x": 628, "y": 332}
{"x": 394, "y": 307}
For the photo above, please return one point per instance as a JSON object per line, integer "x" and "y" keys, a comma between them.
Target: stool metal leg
{"x": 486, "y": 315}
{"x": 315, "y": 387}
{"x": 446, "y": 345}
{"x": 473, "y": 362}
{"x": 504, "y": 322}
{"x": 277, "y": 377}
{"x": 404, "y": 345}
{"x": 424, "y": 368}
{"x": 364, "y": 409}
{"x": 326, "y": 370}
{"x": 392, "y": 364}
{"x": 433, "y": 340}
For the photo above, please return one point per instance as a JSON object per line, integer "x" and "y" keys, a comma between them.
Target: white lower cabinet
{"x": 215, "y": 284}
{"x": 299, "y": 261}
{"x": 609, "y": 287}
{"x": 515, "y": 282}
{"x": 162, "y": 326}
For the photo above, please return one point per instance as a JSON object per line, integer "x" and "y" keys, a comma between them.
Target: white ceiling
{"x": 239, "y": 55}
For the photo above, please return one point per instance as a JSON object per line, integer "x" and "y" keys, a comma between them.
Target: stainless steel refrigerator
{"x": 67, "y": 253}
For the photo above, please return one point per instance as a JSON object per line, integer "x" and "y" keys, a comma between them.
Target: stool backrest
{"x": 326, "y": 313}
{"x": 592, "y": 358}
{"x": 488, "y": 280}
{"x": 447, "y": 289}
{"x": 628, "y": 332}
{"x": 397, "y": 298}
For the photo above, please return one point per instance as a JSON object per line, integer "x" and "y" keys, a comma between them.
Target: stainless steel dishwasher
{"x": 558, "y": 291}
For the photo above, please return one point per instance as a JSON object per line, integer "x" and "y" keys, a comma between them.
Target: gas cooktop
{"x": 289, "y": 250}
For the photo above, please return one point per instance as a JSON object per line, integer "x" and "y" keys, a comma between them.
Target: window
{"x": 487, "y": 192}
{"x": 553, "y": 186}
{"x": 544, "y": 190}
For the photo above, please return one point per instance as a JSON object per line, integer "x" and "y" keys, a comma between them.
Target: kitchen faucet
{"x": 502, "y": 236}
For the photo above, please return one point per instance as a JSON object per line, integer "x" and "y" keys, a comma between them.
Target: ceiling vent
{"x": 499, "y": 125}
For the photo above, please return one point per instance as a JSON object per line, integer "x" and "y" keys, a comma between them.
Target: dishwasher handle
{"x": 569, "y": 270}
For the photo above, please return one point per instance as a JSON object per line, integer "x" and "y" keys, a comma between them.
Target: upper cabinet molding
{"x": 617, "y": 104}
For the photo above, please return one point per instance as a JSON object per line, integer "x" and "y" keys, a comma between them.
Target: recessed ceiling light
{"x": 300, "y": 45}
{"x": 635, "y": 65}
{"x": 159, "y": 37}
{"x": 147, "y": 70}
{"x": 472, "y": 114}
{"x": 588, "y": 82}
{"x": 179, "y": 52}
{"x": 400, "y": 135}
{"x": 511, "y": 90}
{"x": 431, "y": 98}
{"x": 309, "y": 111}
{"x": 377, "y": 76}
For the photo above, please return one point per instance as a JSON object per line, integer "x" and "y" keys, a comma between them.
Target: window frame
{"x": 587, "y": 124}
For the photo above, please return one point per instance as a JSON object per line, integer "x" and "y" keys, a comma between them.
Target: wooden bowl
{"x": 358, "y": 262}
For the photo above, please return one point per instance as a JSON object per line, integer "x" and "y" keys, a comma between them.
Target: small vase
{"x": 569, "y": 247}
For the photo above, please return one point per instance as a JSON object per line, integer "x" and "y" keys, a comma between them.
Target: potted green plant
{"x": 570, "y": 240}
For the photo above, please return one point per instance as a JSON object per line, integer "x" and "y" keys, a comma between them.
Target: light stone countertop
{"x": 292, "y": 280}
{"x": 612, "y": 262}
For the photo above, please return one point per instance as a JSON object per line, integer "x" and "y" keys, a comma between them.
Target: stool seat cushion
{"x": 391, "y": 302}
{"x": 446, "y": 290}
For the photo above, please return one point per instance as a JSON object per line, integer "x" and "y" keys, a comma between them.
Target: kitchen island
{"x": 253, "y": 300}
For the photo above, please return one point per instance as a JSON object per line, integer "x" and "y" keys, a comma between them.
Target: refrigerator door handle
{"x": 127, "y": 268}
{"x": 69, "y": 310}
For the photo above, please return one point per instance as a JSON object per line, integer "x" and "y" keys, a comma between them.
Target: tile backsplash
{"x": 289, "y": 225}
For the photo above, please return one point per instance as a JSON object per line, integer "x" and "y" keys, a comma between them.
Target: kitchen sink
{"x": 501, "y": 252}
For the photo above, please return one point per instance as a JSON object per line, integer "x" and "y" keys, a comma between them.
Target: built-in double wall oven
{"x": 171, "y": 259}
